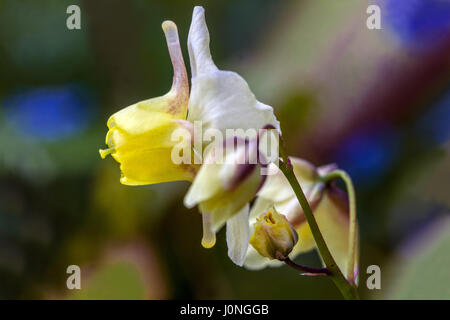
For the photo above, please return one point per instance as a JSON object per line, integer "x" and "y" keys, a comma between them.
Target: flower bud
{"x": 273, "y": 236}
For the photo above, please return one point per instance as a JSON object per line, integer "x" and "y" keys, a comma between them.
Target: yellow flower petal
{"x": 273, "y": 236}
{"x": 140, "y": 137}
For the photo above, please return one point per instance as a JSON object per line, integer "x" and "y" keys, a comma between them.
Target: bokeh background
{"x": 376, "y": 102}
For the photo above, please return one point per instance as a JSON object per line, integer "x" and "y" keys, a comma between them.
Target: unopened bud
{"x": 273, "y": 237}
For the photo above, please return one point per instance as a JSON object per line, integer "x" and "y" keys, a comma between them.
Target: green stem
{"x": 348, "y": 290}
{"x": 353, "y": 228}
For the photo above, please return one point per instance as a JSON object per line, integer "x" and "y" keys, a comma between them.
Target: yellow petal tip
{"x": 105, "y": 152}
{"x": 208, "y": 243}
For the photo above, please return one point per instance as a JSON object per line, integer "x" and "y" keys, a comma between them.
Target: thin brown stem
{"x": 308, "y": 270}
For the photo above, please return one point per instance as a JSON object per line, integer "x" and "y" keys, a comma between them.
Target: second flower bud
{"x": 273, "y": 236}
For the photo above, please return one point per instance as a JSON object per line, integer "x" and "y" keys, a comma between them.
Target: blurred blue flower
{"x": 368, "y": 153}
{"x": 49, "y": 113}
{"x": 434, "y": 125}
{"x": 418, "y": 22}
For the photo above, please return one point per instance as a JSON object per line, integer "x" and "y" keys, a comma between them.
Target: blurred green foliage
{"x": 424, "y": 274}
{"x": 119, "y": 281}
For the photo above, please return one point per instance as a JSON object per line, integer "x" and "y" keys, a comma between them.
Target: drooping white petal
{"x": 209, "y": 236}
{"x": 238, "y": 235}
{"x": 220, "y": 99}
{"x": 207, "y": 183}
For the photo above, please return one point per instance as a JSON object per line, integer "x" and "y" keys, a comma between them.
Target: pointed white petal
{"x": 198, "y": 44}
{"x": 238, "y": 235}
{"x": 220, "y": 99}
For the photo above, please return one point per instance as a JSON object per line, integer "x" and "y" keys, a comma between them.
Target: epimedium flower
{"x": 140, "y": 138}
{"x": 329, "y": 205}
{"x": 222, "y": 100}
{"x": 142, "y": 133}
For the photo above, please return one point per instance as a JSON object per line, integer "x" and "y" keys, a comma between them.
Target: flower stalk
{"x": 307, "y": 270}
{"x": 347, "y": 289}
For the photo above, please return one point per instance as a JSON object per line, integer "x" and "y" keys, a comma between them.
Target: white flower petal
{"x": 238, "y": 235}
{"x": 260, "y": 206}
{"x": 255, "y": 261}
{"x": 278, "y": 189}
{"x": 220, "y": 99}
{"x": 206, "y": 184}
{"x": 225, "y": 205}
{"x": 219, "y": 174}
{"x": 198, "y": 44}
{"x": 304, "y": 170}
{"x": 291, "y": 209}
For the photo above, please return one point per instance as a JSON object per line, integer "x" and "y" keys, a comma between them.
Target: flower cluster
{"x": 141, "y": 139}
{"x": 329, "y": 205}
